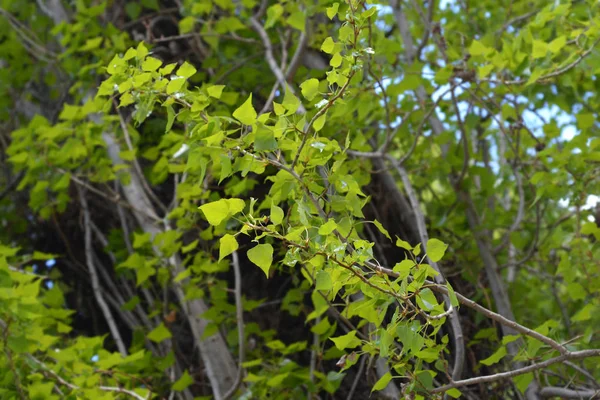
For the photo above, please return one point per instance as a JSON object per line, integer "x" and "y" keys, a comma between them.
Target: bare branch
{"x": 575, "y": 355}
{"x": 94, "y": 276}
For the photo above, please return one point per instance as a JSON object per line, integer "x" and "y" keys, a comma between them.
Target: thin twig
{"x": 361, "y": 369}
{"x": 550, "y": 75}
{"x": 75, "y": 387}
{"x": 94, "y": 276}
{"x": 575, "y": 355}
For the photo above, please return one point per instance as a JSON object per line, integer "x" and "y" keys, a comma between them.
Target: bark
{"x": 216, "y": 357}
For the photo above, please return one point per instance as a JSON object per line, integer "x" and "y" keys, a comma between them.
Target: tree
{"x": 298, "y": 200}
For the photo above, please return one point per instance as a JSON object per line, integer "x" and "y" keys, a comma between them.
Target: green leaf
{"x": 382, "y": 382}
{"x": 332, "y": 11}
{"x": 328, "y": 227}
{"x": 336, "y": 60}
{"x": 478, "y": 49}
{"x": 323, "y": 281}
{"x": 18, "y": 343}
{"x": 38, "y": 255}
{"x": 186, "y": 25}
{"x": 452, "y": 295}
{"x": 436, "y": 249}
{"x": 522, "y": 381}
{"x": 151, "y": 4}
{"x": 262, "y": 256}
{"x": 557, "y": 44}
{"x": 320, "y": 122}
{"x": 131, "y": 53}
{"x": 273, "y": 14}
{"x": 328, "y": 45}
{"x": 159, "y": 333}
{"x": 142, "y": 51}
{"x": 277, "y": 214}
{"x": 426, "y": 300}
{"x": 290, "y": 102}
{"x": 585, "y": 120}
{"x": 217, "y": 211}
{"x": 215, "y": 91}
{"x": 382, "y": 229}
{"x": 167, "y": 69}
{"x": 170, "y": 118}
{"x": 186, "y": 70}
{"x": 585, "y": 314}
{"x": 227, "y": 245}
{"x": 494, "y": 358}
{"x": 297, "y": 20}
{"x": 151, "y": 64}
{"x": 246, "y": 113}
{"x": 91, "y": 44}
{"x": 539, "y": 50}
{"x": 348, "y": 341}
{"x": 403, "y": 245}
{"x": 175, "y": 84}
{"x": 417, "y": 249}
{"x": 454, "y": 393}
{"x": 404, "y": 267}
{"x": 264, "y": 139}
{"x": 485, "y": 70}
{"x": 310, "y": 88}
{"x": 183, "y": 382}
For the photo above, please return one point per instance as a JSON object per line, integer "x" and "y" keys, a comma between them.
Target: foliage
{"x": 279, "y": 199}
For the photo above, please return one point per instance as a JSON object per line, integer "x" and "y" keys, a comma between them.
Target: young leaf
{"x": 151, "y": 64}
{"x": 215, "y": 91}
{"x": 347, "y": 341}
{"x": 557, "y": 44}
{"x": 183, "y": 382}
{"x": 186, "y": 70}
{"x": 310, "y": 88}
{"x": 403, "y": 244}
{"x": 290, "y": 102}
{"x": 219, "y": 210}
{"x": 320, "y": 122}
{"x": 452, "y": 295}
{"x": 323, "y": 281}
{"x": 436, "y": 249}
{"x": 227, "y": 245}
{"x": 276, "y": 214}
{"x": 273, "y": 14}
{"x": 331, "y": 11}
{"x": 494, "y": 358}
{"x": 328, "y": 45}
{"x": 297, "y": 20}
{"x": 478, "y": 49}
{"x": 159, "y": 333}
{"x": 246, "y": 113}
{"x": 327, "y": 228}
{"x": 382, "y": 229}
{"x": 262, "y": 256}
{"x": 382, "y": 382}
{"x": 539, "y": 49}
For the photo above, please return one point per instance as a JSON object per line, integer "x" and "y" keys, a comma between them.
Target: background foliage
{"x": 242, "y": 199}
